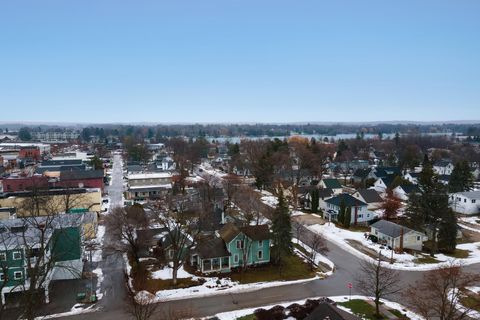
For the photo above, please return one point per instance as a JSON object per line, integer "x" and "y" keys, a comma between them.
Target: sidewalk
{"x": 385, "y": 312}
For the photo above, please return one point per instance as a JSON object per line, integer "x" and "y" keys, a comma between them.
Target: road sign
{"x": 350, "y": 285}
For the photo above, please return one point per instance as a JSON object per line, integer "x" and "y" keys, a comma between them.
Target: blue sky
{"x": 239, "y": 61}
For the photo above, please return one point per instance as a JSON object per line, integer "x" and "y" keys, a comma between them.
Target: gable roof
{"x": 387, "y": 180}
{"x": 387, "y": 171}
{"x": 409, "y": 188}
{"x": 361, "y": 173}
{"x": 350, "y": 201}
{"x": 332, "y": 183}
{"x": 327, "y": 311}
{"x": 470, "y": 194}
{"x": 370, "y": 195}
{"x": 211, "y": 247}
{"x": 390, "y": 229}
{"x": 229, "y": 231}
{"x": 442, "y": 163}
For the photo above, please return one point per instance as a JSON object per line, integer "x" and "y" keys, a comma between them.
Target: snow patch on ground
{"x": 214, "y": 286}
{"x": 269, "y": 199}
{"x": 167, "y": 273}
{"x": 243, "y": 312}
{"x": 76, "y": 310}
{"x": 319, "y": 258}
{"x": 403, "y": 261}
{"x": 98, "y": 272}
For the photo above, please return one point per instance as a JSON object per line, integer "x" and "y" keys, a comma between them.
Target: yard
{"x": 367, "y": 310}
{"x": 293, "y": 268}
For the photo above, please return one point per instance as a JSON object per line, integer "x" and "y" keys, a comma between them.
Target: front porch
{"x": 208, "y": 265}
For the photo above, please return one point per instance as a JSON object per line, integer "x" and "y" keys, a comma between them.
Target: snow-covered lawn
{"x": 76, "y": 310}
{"x": 269, "y": 199}
{"x": 215, "y": 285}
{"x": 319, "y": 258}
{"x": 243, "y": 312}
{"x": 403, "y": 261}
{"x": 167, "y": 273}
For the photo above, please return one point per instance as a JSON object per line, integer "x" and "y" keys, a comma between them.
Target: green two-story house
{"x": 21, "y": 241}
{"x": 233, "y": 247}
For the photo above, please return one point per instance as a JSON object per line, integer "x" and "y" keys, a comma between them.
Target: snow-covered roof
{"x": 154, "y": 175}
{"x": 470, "y": 194}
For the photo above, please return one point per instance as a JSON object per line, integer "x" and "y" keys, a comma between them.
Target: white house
{"x": 465, "y": 202}
{"x": 332, "y": 184}
{"x": 381, "y": 184}
{"x": 403, "y": 192}
{"x": 370, "y": 196}
{"x": 443, "y": 167}
{"x": 397, "y": 236}
{"x": 359, "y": 215}
{"x": 412, "y": 177}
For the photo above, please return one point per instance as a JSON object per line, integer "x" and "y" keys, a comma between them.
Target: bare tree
{"x": 250, "y": 206}
{"x": 317, "y": 245}
{"x": 46, "y": 242}
{"x": 125, "y": 223}
{"x": 182, "y": 227}
{"x": 141, "y": 306}
{"x": 438, "y": 294}
{"x": 378, "y": 281}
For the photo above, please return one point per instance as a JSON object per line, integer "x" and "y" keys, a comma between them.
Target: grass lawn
{"x": 426, "y": 259}
{"x": 248, "y": 317}
{"x": 471, "y": 300}
{"x": 459, "y": 254}
{"x": 399, "y": 314}
{"x": 360, "y": 308}
{"x": 154, "y": 285}
{"x": 293, "y": 269}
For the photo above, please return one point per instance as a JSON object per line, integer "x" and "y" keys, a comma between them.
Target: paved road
{"x": 112, "y": 263}
{"x": 346, "y": 271}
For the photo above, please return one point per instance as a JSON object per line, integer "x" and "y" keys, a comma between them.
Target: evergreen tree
{"x": 429, "y": 208}
{"x": 461, "y": 178}
{"x": 96, "y": 163}
{"x": 447, "y": 235}
{"x": 315, "y": 196}
{"x": 281, "y": 231}
{"x": 347, "y": 218}
{"x": 341, "y": 213}
{"x": 24, "y": 134}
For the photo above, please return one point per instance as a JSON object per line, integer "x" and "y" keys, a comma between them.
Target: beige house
{"x": 53, "y": 201}
{"x": 397, "y": 236}
{"x": 148, "y": 185}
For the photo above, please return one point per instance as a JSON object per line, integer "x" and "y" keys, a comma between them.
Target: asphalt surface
{"x": 112, "y": 264}
{"x": 346, "y": 271}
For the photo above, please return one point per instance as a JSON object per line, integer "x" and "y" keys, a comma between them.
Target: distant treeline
{"x": 259, "y": 130}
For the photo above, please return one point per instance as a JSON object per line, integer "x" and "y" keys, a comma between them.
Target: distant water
{"x": 340, "y": 136}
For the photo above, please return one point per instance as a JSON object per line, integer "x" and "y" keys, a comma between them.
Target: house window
{"x": 3, "y": 256}
{"x": 235, "y": 258}
{"x": 260, "y": 255}
{"x": 260, "y": 243}
{"x": 17, "y": 275}
{"x": 465, "y": 200}
{"x": 474, "y": 200}
{"x": 2, "y": 277}
{"x": 418, "y": 238}
{"x": 17, "y": 255}
{"x": 360, "y": 216}
{"x": 239, "y": 244}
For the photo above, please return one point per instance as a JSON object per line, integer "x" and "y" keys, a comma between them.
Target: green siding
{"x": 253, "y": 249}
{"x": 66, "y": 244}
{"x": 13, "y": 266}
